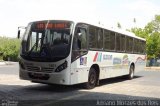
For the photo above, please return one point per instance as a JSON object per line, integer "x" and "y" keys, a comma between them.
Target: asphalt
{"x": 144, "y": 90}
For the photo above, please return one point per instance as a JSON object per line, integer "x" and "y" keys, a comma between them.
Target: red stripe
{"x": 95, "y": 57}
{"x": 140, "y": 58}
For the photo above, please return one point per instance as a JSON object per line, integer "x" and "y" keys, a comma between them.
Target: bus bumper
{"x": 48, "y": 78}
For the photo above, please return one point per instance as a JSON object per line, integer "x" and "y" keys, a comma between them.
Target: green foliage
{"x": 9, "y": 48}
{"x": 151, "y": 32}
{"x": 153, "y": 45}
{"x": 139, "y": 32}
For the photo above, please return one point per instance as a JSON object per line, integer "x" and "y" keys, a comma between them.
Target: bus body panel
{"x": 111, "y": 65}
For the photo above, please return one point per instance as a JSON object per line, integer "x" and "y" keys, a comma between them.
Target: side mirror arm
{"x": 19, "y": 31}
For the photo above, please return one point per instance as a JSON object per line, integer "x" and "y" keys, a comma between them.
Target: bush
{"x": 9, "y": 48}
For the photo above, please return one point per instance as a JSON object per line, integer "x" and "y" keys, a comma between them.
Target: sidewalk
{"x": 152, "y": 68}
{"x": 2, "y": 63}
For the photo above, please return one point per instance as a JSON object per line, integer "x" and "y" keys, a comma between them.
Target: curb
{"x": 152, "y": 68}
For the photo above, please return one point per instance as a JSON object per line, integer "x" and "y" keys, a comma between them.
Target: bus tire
{"x": 92, "y": 79}
{"x": 131, "y": 72}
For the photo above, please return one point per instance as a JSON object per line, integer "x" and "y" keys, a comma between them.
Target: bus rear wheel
{"x": 131, "y": 72}
{"x": 92, "y": 79}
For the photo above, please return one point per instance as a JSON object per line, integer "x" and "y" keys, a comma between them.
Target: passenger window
{"x": 100, "y": 39}
{"x": 107, "y": 40}
{"x": 93, "y": 37}
{"x": 123, "y": 43}
{"x": 112, "y": 40}
{"x": 118, "y": 42}
{"x": 129, "y": 44}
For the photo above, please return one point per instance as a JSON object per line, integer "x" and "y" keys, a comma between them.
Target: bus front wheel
{"x": 92, "y": 79}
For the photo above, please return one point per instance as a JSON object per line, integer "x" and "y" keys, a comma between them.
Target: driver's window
{"x": 79, "y": 43}
{"x": 80, "y": 39}
{"x": 32, "y": 40}
{"x": 35, "y": 41}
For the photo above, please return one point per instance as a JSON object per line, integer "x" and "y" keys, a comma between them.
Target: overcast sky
{"x": 14, "y": 13}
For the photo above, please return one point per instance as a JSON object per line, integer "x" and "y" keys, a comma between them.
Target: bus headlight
{"x": 61, "y": 67}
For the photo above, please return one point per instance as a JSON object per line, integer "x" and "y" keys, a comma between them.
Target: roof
{"x": 121, "y": 31}
{"x": 117, "y": 30}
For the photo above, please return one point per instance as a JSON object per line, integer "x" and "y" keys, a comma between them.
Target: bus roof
{"x": 127, "y": 33}
{"x": 121, "y": 31}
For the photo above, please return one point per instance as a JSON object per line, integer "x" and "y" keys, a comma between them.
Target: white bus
{"x": 67, "y": 52}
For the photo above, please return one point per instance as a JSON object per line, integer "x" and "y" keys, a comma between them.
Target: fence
{"x": 153, "y": 62}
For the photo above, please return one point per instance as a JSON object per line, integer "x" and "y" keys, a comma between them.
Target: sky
{"x": 15, "y": 13}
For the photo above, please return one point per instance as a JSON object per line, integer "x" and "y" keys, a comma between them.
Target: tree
{"x": 9, "y": 48}
{"x": 153, "y": 26}
{"x": 153, "y": 46}
{"x": 151, "y": 32}
{"x": 119, "y": 25}
{"x": 153, "y": 40}
{"x": 134, "y": 20}
{"x": 139, "y": 32}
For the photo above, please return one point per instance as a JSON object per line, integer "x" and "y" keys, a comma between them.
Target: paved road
{"x": 145, "y": 87}
{"x": 9, "y": 69}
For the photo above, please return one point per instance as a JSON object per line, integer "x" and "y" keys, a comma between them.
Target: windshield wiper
{"x": 31, "y": 50}
{"x": 33, "y": 47}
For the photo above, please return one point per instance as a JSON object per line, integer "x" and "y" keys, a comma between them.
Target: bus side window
{"x": 129, "y": 44}
{"x": 100, "y": 39}
{"x": 93, "y": 37}
{"x": 113, "y": 38}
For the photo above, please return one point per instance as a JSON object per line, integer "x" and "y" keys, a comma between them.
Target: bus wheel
{"x": 131, "y": 72}
{"x": 92, "y": 79}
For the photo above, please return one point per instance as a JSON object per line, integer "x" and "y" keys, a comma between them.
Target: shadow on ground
{"x": 65, "y": 88}
{"x": 58, "y": 95}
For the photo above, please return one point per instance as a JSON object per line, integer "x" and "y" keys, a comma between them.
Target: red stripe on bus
{"x": 95, "y": 57}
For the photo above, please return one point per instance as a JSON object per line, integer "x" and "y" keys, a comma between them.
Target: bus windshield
{"x": 47, "y": 40}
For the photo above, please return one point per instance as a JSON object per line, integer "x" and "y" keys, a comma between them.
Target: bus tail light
{"x": 61, "y": 67}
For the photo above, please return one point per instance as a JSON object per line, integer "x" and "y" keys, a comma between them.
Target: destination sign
{"x": 52, "y": 25}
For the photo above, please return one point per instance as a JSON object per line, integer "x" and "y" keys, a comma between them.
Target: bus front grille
{"x": 39, "y": 69}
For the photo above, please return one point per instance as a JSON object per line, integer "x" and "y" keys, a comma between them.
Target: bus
{"x": 67, "y": 52}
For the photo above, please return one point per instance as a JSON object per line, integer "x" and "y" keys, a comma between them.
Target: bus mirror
{"x": 19, "y": 32}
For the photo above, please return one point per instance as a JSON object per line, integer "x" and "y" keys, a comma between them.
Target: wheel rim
{"x": 132, "y": 72}
{"x": 92, "y": 79}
